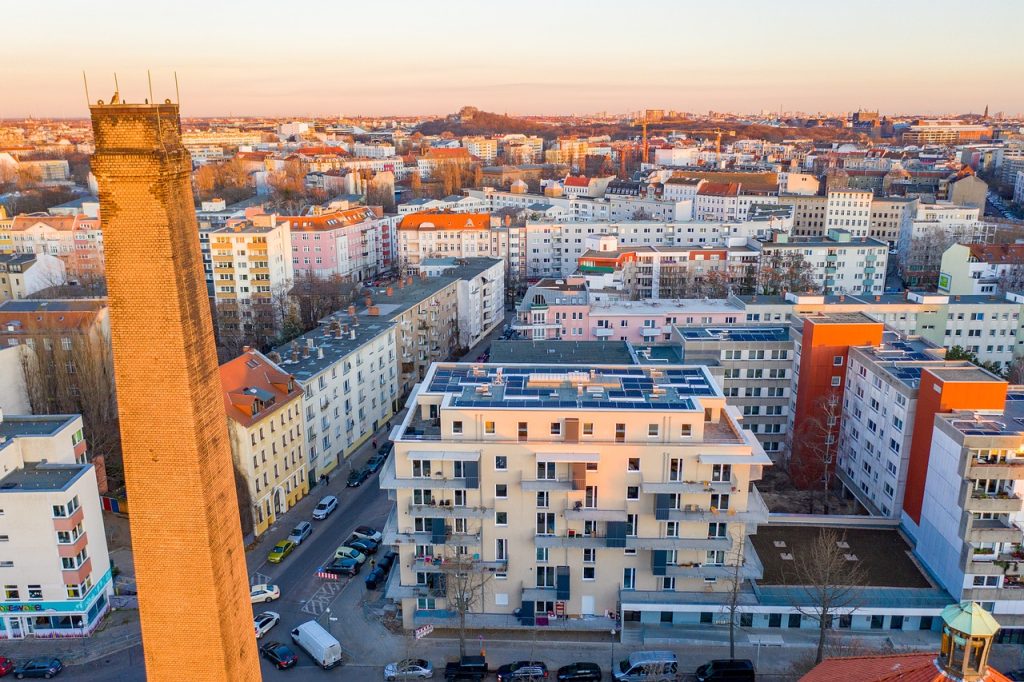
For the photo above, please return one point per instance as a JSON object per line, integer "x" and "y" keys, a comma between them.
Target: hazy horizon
{"x": 404, "y": 58}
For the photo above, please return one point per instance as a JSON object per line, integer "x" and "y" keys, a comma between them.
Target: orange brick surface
{"x": 186, "y": 538}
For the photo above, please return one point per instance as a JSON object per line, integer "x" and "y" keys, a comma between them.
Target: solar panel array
{"x": 749, "y": 334}
{"x": 635, "y": 390}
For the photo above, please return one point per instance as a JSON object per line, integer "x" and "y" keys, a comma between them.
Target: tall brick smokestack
{"x": 186, "y": 536}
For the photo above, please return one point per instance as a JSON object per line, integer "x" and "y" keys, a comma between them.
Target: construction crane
{"x": 717, "y": 132}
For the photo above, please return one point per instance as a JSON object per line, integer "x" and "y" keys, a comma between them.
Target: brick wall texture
{"x": 187, "y": 543}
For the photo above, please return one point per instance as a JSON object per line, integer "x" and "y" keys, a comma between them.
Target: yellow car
{"x": 280, "y": 551}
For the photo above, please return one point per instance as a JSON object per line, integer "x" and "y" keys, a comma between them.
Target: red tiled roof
{"x": 577, "y": 181}
{"x": 57, "y": 222}
{"x": 330, "y": 221}
{"x": 719, "y": 189}
{"x": 252, "y": 370}
{"x": 322, "y": 151}
{"x": 997, "y": 253}
{"x": 918, "y": 667}
{"x": 442, "y": 153}
{"x": 446, "y": 221}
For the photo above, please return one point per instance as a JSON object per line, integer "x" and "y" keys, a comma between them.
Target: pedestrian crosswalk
{"x": 258, "y": 578}
{"x": 322, "y": 598}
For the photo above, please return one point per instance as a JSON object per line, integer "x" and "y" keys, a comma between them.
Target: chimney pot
{"x": 351, "y": 310}
{"x": 391, "y": 292}
{"x": 246, "y": 349}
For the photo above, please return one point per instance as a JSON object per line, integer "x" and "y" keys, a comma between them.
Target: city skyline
{"x": 229, "y": 63}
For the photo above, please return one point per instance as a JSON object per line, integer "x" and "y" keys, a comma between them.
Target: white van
{"x": 318, "y": 643}
{"x": 647, "y": 666}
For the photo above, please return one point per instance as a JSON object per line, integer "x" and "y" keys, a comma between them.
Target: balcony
{"x": 648, "y": 332}
{"x": 603, "y": 332}
{"x": 431, "y": 565}
{"x": 687, "y": 487}
{"x": 756, "y": 512}
{"x": 703, "y": 544}
{"x": 438, "y": 510}
{"x": 571, "y": 540}
{"x": 1008, "y": 470}
{"x": 389, "y": 480}
{"x": 993, "y": 530}
{"x": 578, "y": 512}
{"x": 1000, "y": 502}
{"x": 422, "y": 429}
{"x": 553, "y": 484}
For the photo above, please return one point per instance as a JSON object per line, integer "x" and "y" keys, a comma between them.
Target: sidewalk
{"x": 119, "y": 631}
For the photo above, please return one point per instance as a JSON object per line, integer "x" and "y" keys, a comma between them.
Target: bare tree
{"x": 735, "y": 587}
{"x": 319, "y": 296}
{"x": 416, "y": 184}
{"x": 1011, "y": 279}
{"x": 919, "y": 265}
{"x": 784, "y": 270}
{"x": 816, "y": 444}
{"x": 465, "y": 587}
{"x": 826, "y": 583}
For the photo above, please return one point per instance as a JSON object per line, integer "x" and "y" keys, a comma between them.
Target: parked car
{"x": 367, "y": 532}
{"x": 300, "y": 532}
{"x": 324, "y": 507}
{"x": 409, "y": 669}
{"x": 472, "y": 668}
{"x": 726, "y": 670}
{"x": 386, "y": 449}
{"x": 281, "y": 655}
{"x": 318, "y": 643}
{"x": 279, "y": 551}
{"x": 522, "y": 670}
{"x": 346, "y": 552}
{"x": 357, "y": 477}
{"x": 264, "y": 593}
{"x": 38, "y": 667}
{"x": 375, "y": 463}
{"x": 342, "y": 566}
{"x": 580, "y": 672}
{"x": 6, "y": 665}
{"x": 365, "y": 546}
{"x": 647, "y": 666}
{"x": 263, "y": 622}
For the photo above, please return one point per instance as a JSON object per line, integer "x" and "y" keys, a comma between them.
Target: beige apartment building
{"x": 614, "y": 495}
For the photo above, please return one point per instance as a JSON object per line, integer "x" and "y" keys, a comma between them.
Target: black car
{"x": 357, "y": 477}
{"x": 473, "y": 668}
{"x": 376, "y": 462}
{"x": 385, "y": 450}
{"x": 280, "y": 655}
{"x": 342, "y": 566}
{"x": 38, "y": 667}
{"x": 580, "y": 672}
{"x": 522, "y": 670}
{"x": 364, "y": 545}
{"x": 726, "y": 670}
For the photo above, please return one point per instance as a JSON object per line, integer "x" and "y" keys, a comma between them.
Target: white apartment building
{"x": 577, "y": 503}
{"x": 54, "y": 566}
{"x": 248, "y": 266}
{"x": 981, "y": 268}
{"x": 449, "y": 235}
{"x": 840, "y": 263}
{"x": 849, "y": 209}
{"x": 1018, "y": 189}
{"x": 376, "y": 149}
{"x": 453, "y": 204}
{"x": 348, "y": 371}
{"x": 484, "y": 148}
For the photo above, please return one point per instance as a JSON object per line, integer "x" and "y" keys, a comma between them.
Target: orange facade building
{"x": 187, "y": 541}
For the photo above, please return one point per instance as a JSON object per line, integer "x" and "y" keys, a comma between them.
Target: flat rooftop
{"x": 751, "y": 334}
{"x": 882, "y": 554}
{"x": 1009, "y": 423}
{"x": 41, "y": 477}
{"x": 562, "y": 352}
{"x": 615, "y": 387}
{"x": 53, "y": 306}
{"x": 13, "y": 426}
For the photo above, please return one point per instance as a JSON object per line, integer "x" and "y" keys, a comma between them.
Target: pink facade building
{"x": 353, "y": 244}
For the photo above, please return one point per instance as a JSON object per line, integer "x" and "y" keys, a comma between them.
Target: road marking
{"x": 258, "y": 578}
{"x": 322, "y": 598}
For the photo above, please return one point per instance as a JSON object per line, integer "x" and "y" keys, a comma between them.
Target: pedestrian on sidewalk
{"x": 374, "y": 443}
{"x": 373, "y": 563}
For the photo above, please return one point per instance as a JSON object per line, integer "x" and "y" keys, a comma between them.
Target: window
{"x": 11, "y": 593}
{"x": 836, "y": 381}
{"x": 489, "y": 427}
{"x": 620, "y": 433}
{"x": 500, "y": 518}
{"x": 686, "y": 430}
{"x": 589, "y": 572}
{"x": 837, "y": 361}
{"x": 877, "y": 622}
{"x": 556, "y": 428}
{"x": 35, "y": 592}
{"x": 633, "y": 464}
{"x": 652, "y": 430}
{"x": 629, "y": 578}
{"x": 501, "y": 463}
{"x": 720, "y": 501}
{"x": 545, "y": 523}
{"x": 717, "y": 529}
{"x": 500, "y": 490}
{"x": 633, "y": 492}
{"x": 456, "y": 427}
{"x": 588, "y": 428}
{"x": 721, "y": 472}
{"x": 794, "y": 620}
{"x": 523, "y": 431}
{"x": 421, "y": 468}
{"x": 543, "y": 499}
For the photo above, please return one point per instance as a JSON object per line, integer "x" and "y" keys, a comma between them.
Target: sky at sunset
{"x": 552, "y": 57}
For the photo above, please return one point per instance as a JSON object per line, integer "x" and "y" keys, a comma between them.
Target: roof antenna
{"x": 177, "y": 93}
{"x": 86, "y": 82}
{"x": 116, "y": 99}
{"x": 149, "y": 77}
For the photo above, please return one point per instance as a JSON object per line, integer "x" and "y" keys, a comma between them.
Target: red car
{"x": 6, "y": 665}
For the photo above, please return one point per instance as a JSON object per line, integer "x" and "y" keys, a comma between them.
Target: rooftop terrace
{"x": 13, "y": 426}
{"x": 41, "y": 477}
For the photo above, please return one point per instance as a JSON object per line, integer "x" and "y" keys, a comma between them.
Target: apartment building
{"x": 77, "y": 240}
{"x": 754, "y": 366}
{"x": 840, "y": 262}
{"x": 572, "y": 500}
{"x": 480, "y": 294}
{"x": 449, "y": 235}
{"x": 890, "y": 216}
{"x": 941, "y": 132}
{"x": 483, "y": 148}
{"x": 249, "y": 273}
{"x": 347, "y": 243}
{"x": 879, "y": 418}
{"x": 975, "y": 269}
{"x": 848, "y": 209}
{"x": 968, "y": 525}
{"x": 1018, "y": 188}
{"x": 810, "y": 213}
{"x": 54, "y": 566}
{"x": 435, "y": 157}
{"x": 265, "y": 427}
{"x": 455, "y": 203}
{"x": 23, "y": 274}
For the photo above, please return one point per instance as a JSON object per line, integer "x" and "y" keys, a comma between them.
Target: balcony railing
{"x": 688, "y": 487}
{"x": 439, "y": 564}
{"x": 1004, "y": 501}
{"x": 579, "y": 512}
{"x": 436, "y": 509}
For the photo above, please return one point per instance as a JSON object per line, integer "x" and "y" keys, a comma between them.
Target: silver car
{"x": 409, "y": 669}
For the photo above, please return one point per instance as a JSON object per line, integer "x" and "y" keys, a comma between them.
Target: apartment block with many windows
{"x": 578, "y": 494}
{"x": 54, "y": 569}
